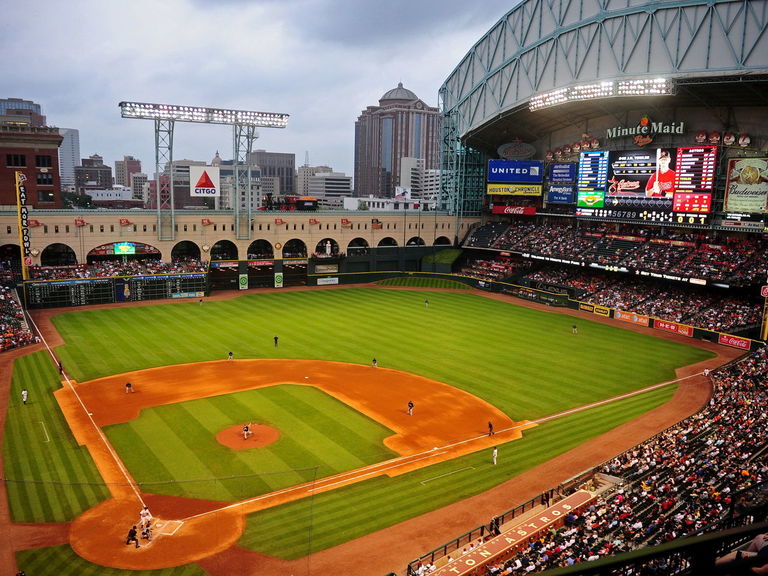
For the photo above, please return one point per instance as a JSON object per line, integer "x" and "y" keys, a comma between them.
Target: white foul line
{"x": 47, "y": 439}
{"x": 89, "y": 414}
{"x": 447, "y": 474}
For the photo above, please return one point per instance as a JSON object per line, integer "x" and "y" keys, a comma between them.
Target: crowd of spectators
{"x": 698, "y": 307}
{"x": 492, "y": 270}
{"x": 738, "y": 261}
{"x": 680, "y": 482}
{"x": 704, "y": 309}
{"x": 14, "y": 331}
{"x": 112, "y": 268}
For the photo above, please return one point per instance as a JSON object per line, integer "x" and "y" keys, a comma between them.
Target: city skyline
{"x": 322, "y": 62}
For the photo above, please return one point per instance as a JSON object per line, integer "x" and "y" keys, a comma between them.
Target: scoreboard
{"x": 620, "y": 185}
{"x": 695, "y": 169}
{"x": 84, "y": 292}
{"x": 166, "y": 286}
{"x": 592, "y": 180}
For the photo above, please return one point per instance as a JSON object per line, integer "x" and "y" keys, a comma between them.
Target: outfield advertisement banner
{"x": 599, "y": 310}
{"x": 632, "y": 318}
{"x": 674, "y": 327}
{"x": 734, "y": 341}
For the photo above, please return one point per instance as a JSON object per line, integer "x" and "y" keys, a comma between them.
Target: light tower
{"x": 244, "y": 125}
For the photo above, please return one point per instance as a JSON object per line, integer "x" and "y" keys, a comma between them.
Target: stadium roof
{"x": 527, "y": 125}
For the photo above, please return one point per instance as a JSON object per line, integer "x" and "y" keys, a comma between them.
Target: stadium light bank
{"x": 201, "y": 114}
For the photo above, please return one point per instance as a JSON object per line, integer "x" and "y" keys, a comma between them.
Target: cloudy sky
{"x": 321, "y": 61}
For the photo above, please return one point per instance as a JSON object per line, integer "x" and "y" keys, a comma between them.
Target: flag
{"x": 79, "y": 222}
{"x": 313, "y": 221}
{"x": 279, "y": 221}
{"x": 206, "y": 221}
{"x": 33, "y": 223}
{"x": 125, "y": 222}
{"x": 346, "y": 221}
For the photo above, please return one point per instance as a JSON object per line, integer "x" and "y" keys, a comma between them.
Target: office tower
{"x": 304, "y": 173}
{"x": 402, "y": 125}
{"x": 92, "y": 174}
{"x": 28, "y": 146}
{"x": 330, "y": 189}
{"x": 124, "y": 168}
{"x": 21, "y": 112}
{"x": 34, "y": 152}
{"x": 277, "y": 164}
{"x": 69, "y": 157}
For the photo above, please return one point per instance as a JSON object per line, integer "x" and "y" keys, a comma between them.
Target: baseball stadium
{"x": 560, "y": 370}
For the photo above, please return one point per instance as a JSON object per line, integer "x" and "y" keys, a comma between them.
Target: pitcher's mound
{"x": 262, "y": 435}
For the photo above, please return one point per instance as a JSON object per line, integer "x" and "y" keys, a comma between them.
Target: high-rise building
{"x": 304, "y": 173}
{"x": 277, "y": 164}
{"x": 33, "y": 151}
{"x": 21, "y": 112}
{"x": 69, "y": 157}
{"x": 92, "y": 174}
{"x": 29, "y": 146}
{"x": 402, "y": 125}
{"x": 138, "y": 185}
{"x": 124, "y": 168}
{"x": 330, "y": 189}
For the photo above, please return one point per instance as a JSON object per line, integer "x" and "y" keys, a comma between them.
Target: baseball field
{"x": 334, "y": 456}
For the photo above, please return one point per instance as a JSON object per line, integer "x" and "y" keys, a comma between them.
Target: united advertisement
{"x": 519, "y": 171}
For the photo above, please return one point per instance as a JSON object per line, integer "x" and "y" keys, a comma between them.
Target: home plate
{"x": 167, "y": 527}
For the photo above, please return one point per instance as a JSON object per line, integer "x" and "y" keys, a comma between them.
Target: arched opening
{"x": 58, "y": 255}
{"x": 260, "y": 249}
{"x": 224, "y": 250}
{"x": 415, "y": 241}
{"x": 442, "y": 241}
{"x": 185, "y": 250}
{"x": 122, "y": 252}
{"x": 357, "y": 247}
{"x": 387, "y": 242}
{"x": 295, "y": 248}
{"x": 326, "y": 248}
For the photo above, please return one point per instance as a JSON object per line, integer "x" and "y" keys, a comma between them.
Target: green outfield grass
{"x": 528, "y": 363}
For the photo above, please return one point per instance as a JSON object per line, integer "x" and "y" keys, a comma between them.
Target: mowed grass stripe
{"x": 52, "y": 478}
{"x": 324, "y": 434}
{"x": 356, "y": 510}
{"x": 62, "y": 561}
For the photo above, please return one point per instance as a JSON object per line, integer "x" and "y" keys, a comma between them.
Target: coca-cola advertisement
{"x": 521, "y": 210}
{"x": 734, "y": 341}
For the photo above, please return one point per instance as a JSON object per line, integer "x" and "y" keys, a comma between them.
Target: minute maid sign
{"x": 204, "y": 181}
{"x": 646, "y": 130}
